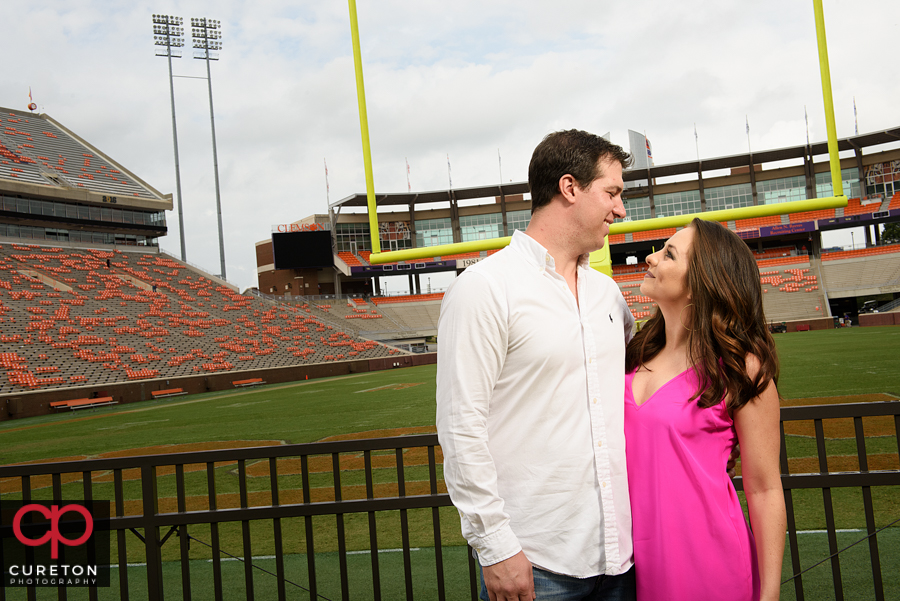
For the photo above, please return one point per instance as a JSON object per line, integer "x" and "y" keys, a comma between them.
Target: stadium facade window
{"x": 433, "y": 232}
{"x": 636, "y": 208}
{"x": 729, "y": 197}
{"x": 785, "y": 189}
{"x": 394, "y": 235}
{"x": 517, "y": 220}
{"x": 481, "y": 227}
{"x": 50, "y": 208}
{"x": 849, "y": 180}
{"x": 677, "y": 203}
{"x": 352, "y": 237}
{"x": 26, "y": 232}
{"x": 883, "y": 178}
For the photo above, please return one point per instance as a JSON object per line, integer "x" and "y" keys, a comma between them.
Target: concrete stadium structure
{"x": 870, "y": 170}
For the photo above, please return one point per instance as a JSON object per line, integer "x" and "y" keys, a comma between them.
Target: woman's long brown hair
{"x": 727, "y": 322}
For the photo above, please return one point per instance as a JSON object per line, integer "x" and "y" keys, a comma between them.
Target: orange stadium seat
{"x": 757, "y": 222}
{"x": 862, "y": 252}
{"x": 662, "y": 234}
{"x": 812, "y": 216}
{"x": 93, "y": 334}
{"x": 895, "y": 201}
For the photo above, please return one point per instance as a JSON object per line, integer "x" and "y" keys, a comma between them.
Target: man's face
{"x": 600, "y": 204}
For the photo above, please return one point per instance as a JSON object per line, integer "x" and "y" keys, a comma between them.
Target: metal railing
{"x": 278, "y": 494}
{"x": 889, "y": 306}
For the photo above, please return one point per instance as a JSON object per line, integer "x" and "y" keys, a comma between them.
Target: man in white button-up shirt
{"x": 530, "y": 389}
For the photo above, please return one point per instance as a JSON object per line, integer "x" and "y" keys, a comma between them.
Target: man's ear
{"x": 567, "y": 185}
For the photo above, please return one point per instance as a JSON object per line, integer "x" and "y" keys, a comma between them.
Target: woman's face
{"x": 666, "y": 279}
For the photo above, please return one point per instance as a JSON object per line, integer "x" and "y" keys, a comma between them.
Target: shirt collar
{"x": 537, "y": 254}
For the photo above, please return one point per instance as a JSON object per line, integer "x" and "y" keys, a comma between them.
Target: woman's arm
{"x": 757, "y": 427}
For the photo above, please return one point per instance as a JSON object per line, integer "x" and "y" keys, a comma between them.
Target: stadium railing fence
{"x": 154, "y": 523}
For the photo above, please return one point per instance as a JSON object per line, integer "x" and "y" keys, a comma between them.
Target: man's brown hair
{"x": 570, "y": 152}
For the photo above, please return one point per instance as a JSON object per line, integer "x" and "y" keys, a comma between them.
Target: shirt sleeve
{"x": 472, "y": 343}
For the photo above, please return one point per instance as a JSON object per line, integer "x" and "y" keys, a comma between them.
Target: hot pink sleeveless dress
{"x": 691, "y": 541}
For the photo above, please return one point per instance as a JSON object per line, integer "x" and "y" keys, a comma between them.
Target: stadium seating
{"x": 66, "y": 319}
{"x": 791, "y": 290}
{"x": 862, "y": 252}
{"x": 812, "y": 215}
{"x": 763, "y": 263}
{"x": 31, "y": 146}
{"x": 629, "y": 277}
{"x": 662, "y": 234}
{"x": 757, "y": 222}
{"x": 895, "y": 202}
{"x": 622, "y": 269}
{"x": 861, "y": 270}
{"x": 782, "y": 251}
{"x": 855, "y": 207}
{"x": 350, "y": 259}
{"x": 408, "y": 298}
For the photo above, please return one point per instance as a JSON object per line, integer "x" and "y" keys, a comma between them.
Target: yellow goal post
{"x": 600, "y": 259}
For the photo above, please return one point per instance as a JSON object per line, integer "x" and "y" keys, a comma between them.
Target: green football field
{"x": 826, "y": 364}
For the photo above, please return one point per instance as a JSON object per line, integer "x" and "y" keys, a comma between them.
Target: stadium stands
{"x": 895, "y": 201}
{"x": 407, "y": 298}
{"x": 420, "y": 317}
{"x": 757, "y": 222}
{"x": 662, "y": 234}
{"x": 35, "y": 150}
{"x": 861, "y": 252}
{"x": 812, "y": 216}
{"x": 622, "y": 269}
{"x": 145, "y": 316}
{"x": 350, "y": 259}
{"x": 864, "y": 271}
{"x": 782, "y": 251}
{"x": 855, "y": 207}
{"x": 791, "y": 289}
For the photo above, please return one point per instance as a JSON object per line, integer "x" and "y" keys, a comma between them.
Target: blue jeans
{"x": 556, "y": 587}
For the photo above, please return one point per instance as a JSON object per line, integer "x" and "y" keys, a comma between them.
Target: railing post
{"x": 151, "y": 533}
{"x": 791, "y": 521}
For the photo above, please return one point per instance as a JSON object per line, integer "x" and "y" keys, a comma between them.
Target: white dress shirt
{"x": 530, "y": 404}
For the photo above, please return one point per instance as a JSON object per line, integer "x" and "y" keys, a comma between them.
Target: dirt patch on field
{"x": 286, "y": 497}
{"x": 843, "y": 427}
{"x": 843, "y": 463}
{"x": 15, "y": 484}
{"x": 386, "y": 433}
{"x": 323, "y": 463}
{"x": 838, "y": 400}
{"x": 286, "y": 466}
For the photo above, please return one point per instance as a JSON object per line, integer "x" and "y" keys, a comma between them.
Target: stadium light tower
{"x": 207, "y": 36}
{"x": 168, "y": 33}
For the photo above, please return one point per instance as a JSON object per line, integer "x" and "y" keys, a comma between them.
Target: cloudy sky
{"x": 466, "y": 79}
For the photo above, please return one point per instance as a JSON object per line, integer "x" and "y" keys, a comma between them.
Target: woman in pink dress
{"x": 701, "y": 377}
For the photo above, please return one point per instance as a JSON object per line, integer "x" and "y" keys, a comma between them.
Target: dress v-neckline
{"x": 655, "y": 392}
